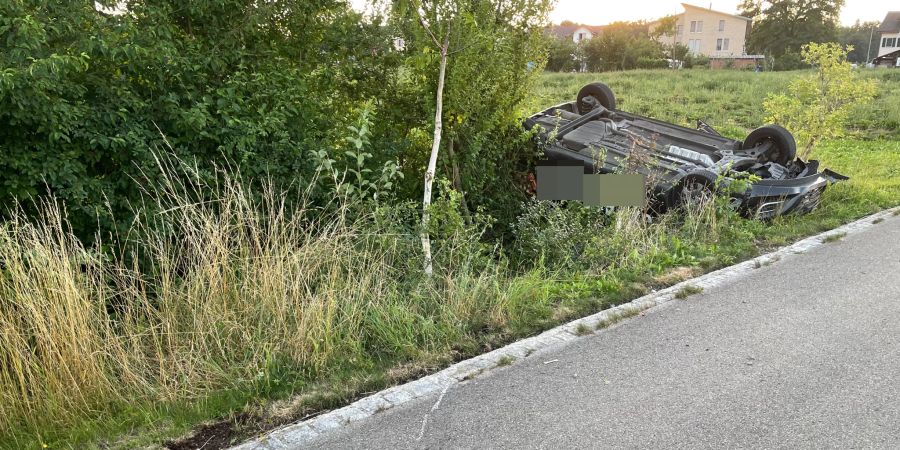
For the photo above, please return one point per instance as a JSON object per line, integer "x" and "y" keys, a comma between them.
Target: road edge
{"x": 301, "y": 433}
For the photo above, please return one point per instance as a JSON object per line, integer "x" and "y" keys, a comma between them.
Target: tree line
{"x": 303, "y": 93}
{"x": 779, "y": 30}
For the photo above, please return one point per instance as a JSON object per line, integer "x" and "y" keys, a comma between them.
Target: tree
{"x": 621, "y": 46}
{"x": 560, "y": 54}
{"x": 665, "y": 32}
{"x": 494, "y": 51}
{"x": 817, "y": 106}
{"x": 435, "y": 19}
{"x": 784, "y": 26}
{"x": 864, "y": 38}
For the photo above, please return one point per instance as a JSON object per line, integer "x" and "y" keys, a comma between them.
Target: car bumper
{"x": 770, "y": 198}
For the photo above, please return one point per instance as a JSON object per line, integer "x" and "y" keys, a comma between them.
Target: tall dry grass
{"x": 220, "y": 287}
{"x": 215, "y": 289}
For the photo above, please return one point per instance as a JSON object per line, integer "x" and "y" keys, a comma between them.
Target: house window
{"x": 721, "y": 25}
{"x": 889, "y": 42}
{"x": 679, "y": 30}
{"x": 722, "y": 44}
{"x": 699, "y": 26}
{"x": 694, "y": 45}
{"x": 696, "y": 26}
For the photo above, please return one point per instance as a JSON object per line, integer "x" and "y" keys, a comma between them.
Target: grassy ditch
{"x": 248, "y": 313}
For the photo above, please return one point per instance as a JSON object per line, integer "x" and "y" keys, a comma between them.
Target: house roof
{"x": 687, "y": 5}
{"x": 891, "y": 55}
{"x": 891, "y": 23}
{"x": 566, "y": 31}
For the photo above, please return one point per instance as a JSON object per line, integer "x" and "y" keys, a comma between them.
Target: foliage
{"x": 497, "y": 53}
{"x": 863, "y": 37}
{"x": 621, "y": 46}
{"x": 555, "y": 232}
{"x": 817, "y": 106}
{"x": 782, "y": 26}
{"x": 86, "y": 96}
{"x": 356, "y": 181}
{"x": 267, "y": 302}
{"x": 560, "y": 54}
{"x": 269, "y": 89}
{"x": 664, "y": 32}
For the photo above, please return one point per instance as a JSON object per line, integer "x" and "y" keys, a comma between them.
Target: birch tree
{"x": 486, "y": 54}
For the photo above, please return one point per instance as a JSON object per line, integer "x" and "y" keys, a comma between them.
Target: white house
{"x": 577, "y": 33}
{"x": 889, "y": 48}
{"x": 708, "y": 32}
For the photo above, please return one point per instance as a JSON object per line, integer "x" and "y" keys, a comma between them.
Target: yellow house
{"x": 708, "y": 32}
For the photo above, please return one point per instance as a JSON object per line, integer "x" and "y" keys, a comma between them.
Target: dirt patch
{"x": 218, "y": 435}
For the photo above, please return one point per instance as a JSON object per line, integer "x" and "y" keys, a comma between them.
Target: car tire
{"x": 784, "y": 150}
{"x": 601, "y": 92}
{"x": 694, "y": 192}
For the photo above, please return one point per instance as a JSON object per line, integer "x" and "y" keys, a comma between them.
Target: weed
{"x": 688, "y": 291}
{"x": 505, "y": 360}
{"x": 616, "y": 317}
{"x": 833, "y": 237}
{"x": 877, "y": 221}
{"x": 583, "y": 330}
{"x": 473, "y": 375}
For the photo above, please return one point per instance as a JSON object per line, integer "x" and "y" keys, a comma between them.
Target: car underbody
{"x": 676, "y": 160}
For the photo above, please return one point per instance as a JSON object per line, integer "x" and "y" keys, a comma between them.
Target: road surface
{"x": 804, "y": 353}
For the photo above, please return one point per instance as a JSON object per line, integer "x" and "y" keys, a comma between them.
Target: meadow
{"x": 244, "y": 313}
{"x": 731, "y": 101}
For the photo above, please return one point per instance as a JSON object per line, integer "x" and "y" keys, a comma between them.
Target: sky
{"x": 602, "y": 12}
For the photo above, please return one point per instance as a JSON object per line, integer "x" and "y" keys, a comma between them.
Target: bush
{"x": 651, "y": 63}
{"x": 790, "y": 60}
{"x": 561, "y": 55}
{"x": 86, "y": 97}
{"x": 818, "y": 106}
{"x": 556, "y": 233}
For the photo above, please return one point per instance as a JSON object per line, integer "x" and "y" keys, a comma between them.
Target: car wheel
{"x": 783, "y": 149}
{"x": 595, "y": 93}
{"x": 694, "y": 193}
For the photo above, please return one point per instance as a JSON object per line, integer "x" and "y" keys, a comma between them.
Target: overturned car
{"x": 681, "y": 163}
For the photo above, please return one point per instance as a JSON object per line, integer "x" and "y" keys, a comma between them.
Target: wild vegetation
{"x": 242, "y": 299}
{"x": 208, "y": 218}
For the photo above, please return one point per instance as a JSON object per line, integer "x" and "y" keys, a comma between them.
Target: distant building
{"x": 707, "y": 32}
{"x": 576, "y": 33}
{"x": 889, "y": 50}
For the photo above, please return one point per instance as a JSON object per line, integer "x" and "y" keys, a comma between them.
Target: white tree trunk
{"x": 432, "y": 161}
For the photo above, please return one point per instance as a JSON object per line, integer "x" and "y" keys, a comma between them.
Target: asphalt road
{"x": 804, "y": 353}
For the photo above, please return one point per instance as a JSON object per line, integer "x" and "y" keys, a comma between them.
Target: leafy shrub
{"x": 556, "y": 232}
{"x": 818, "y": 106}
{"x": 651, "y": 63}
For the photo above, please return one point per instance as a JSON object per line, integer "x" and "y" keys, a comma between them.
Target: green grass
{"x": 730, "y": 101}
{"x": 277, "y": 323}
